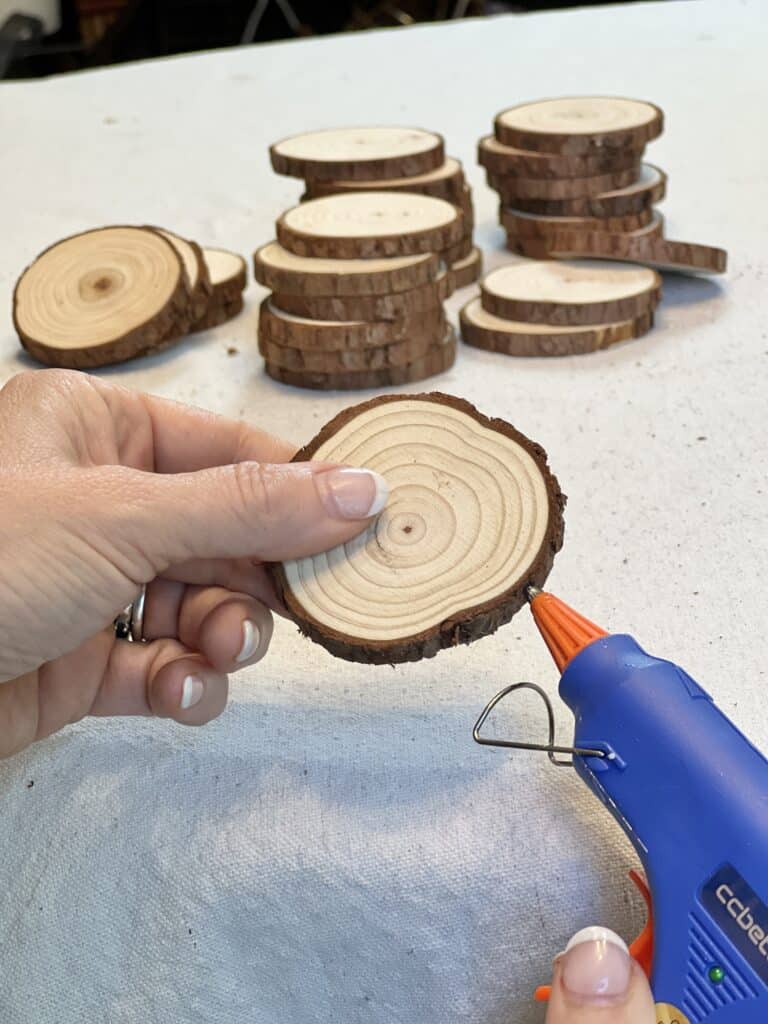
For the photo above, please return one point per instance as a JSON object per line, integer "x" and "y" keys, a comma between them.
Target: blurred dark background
{"x": 42, "y": 37}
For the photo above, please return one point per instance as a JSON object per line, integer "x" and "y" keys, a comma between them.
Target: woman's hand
{"x": 102, "y": 490}
{"x": 597, "y": 982}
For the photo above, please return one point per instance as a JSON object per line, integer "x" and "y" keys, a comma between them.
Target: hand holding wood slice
{"x": 358, "y": 153}
{"x": 474, "y": 517}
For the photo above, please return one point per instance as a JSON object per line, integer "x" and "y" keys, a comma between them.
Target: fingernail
{"x": 191, "y": 692}
{"x": 352, "y": 493}
{"x": 596, "y": 966}
{"x": 251, "y": 640}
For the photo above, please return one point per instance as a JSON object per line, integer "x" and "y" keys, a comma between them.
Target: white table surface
{"x": 335, "y": 847}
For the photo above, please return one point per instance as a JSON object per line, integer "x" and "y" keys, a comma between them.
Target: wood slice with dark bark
{"x": 102, "y": 297}
{"x": 467, "y": 271}
{"x": 282, "y": 328}
{"x": 437, "y": 359}
{"x": 398, "y": 353}
{"x": 282, "y": 271}
{"x": 570, "y": 293}
{"x": 369, "y": 225}
{"x": 424, "y": 299}
{"x": 474, "y": 517}
{"x": 445, "y": 182}
{"x": 534, "y": 225}
{"x": 510, "y": 162}
{"x": 219, "y": 313}
{"x": 511, "y": 189}
{"x": 228, "y": 274}
{"x": 639, "y": 197}
{"x": 460, "y": 251}
{"x": 198, "y": 280}
{"x": 580, "y": 124}
{"x": 358, "y": 154}
{"x": 661, "y": 253}
{"x": 482, "y": 329}
{"x": 558, "y": 237}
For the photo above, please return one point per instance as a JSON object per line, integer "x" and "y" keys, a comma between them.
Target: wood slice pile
{"x": 382, "y": 159}
{"x": 108, "y": 295}
{"x": 357, "y": 284}
{"x": 572, "y": 183}
{"x": 550, "y": 308}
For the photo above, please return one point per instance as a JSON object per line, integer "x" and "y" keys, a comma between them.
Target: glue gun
{"x": 691, "y": 793}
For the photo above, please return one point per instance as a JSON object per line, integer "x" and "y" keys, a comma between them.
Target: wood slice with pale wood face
{"x": 639, "y": 197}
{"x": 474, "y": 516}
{"x": 198, "y": 280}
{"x": 482, "y": 329}
{"x": 358, "y": 153}
{"x": 467, "y": 271}
{"x": 227, "y": 272}
{"x": 588, "y": 292}
{"x": 282, "y": 271}
{"x": 513, "y": 188}
{"x": 510, "y": 162}
{"x": 580, "y": 124}
{"x": 437, "y": 359}
{"x": 445, "y": 182}
{"x": 424, "y": 299}
{"x": 534, "y": 225}
{"x": 102, "y": 297}
{"x": 369, "y": 357}
{"x": 370, "y": 225}
{"x": 661, "y": 253}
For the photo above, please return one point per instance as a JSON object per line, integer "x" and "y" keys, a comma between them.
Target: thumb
{"x": 597, "y": 981}
{"x": 265, "y": 512}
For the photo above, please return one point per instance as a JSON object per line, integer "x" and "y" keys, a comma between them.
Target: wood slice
{"x": 445, "y": 182}
{"x": 424, "y": 299}
{"x": 437, "y": 359}
{"x": 511, "y": 189}
{"x": 101, "y": 297}
{"x": 639, "y": 197}
{"x": 580, "y": 124}
{"x": 358, "y": 154}
{"x": 517, "y": 338}
{"x": 219, "y": 313}
{"x": 198, "y": 280}
{"x": 570, "y": 293}
{"x": 510, "y": 162}
{"x": 556, "y": 237}
{"x": 282, "y": 271}
{"x": 227, "y": 272}
{"x": 473, "y": 518}
{"x": 398, "y": 353}
{"x": 662, "y": 253}
{"x": 460, "y": 251}
{"x": 534, "y": 225}
{"x": 370, "y": 225}
{"x": 282, "y": 328}
{"x": 467, "y": 271}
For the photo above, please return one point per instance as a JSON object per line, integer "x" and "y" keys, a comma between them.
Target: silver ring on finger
{"x": 129, "y": 624}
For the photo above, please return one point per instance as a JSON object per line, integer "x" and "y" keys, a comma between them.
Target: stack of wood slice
{"x": 572, "y": 183}
{"x": 358, "y": 282}
{"x": 108, "y": 295}
{"x": 353, "y": 160}
{"x": 552, "y": 308}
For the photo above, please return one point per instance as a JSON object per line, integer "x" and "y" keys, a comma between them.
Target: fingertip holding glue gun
{"x": 691, "y": 793}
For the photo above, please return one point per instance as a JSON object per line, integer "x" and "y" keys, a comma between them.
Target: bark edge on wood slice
{"x": 650, "y": 188}
{"x": 150, "y": 309}
{"x": 219, "y": 313}
{"x": 580, "y": 124}
{"x": 478, "y": 600}
{"x": 437, "y": 359}
{"x": 445, "y": 182}
{"x": 228, "y": 273}
{"x": 580, "y": 293}
{"x": 356, "y": 360}
{"x": 662, "y": 253}
{"x": 511, "y": 189}
{"x": 510, "y": 162}
{"x": 482, "y": 329}
{"x": 467, "y": 271}
{"x": 535, "y": 225}
{"x": 583, "y": 241}
{"x": 282, "y": 271}
{"x": 369, "y": 225}
{"x": 198, "y": 279}
{"x": 358, "y": 153}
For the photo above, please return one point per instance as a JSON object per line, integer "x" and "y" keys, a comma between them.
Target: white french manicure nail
{"x": 191, "y": 692}
{"x": 596, "y": 934}
{"x": 251, "y": 641}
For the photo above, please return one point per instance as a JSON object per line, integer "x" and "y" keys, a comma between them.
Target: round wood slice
{"x": 219, "y": 313}
{"x": 101, "y": 297}
{"x": 369, "y": 225}
{"x": 359, "y": 154}
{"x": 639, "y": 197}
{"x": 580, "y": 124}
{"x": 227, "y": 272}
{"x": 467, "y": 271}
{"x": 556, "y": 237}
{"x": 460, "y": 251}
{"x": 445, "y": 182}
{"x": 282, "y": 328}
{"x": 398, "y": 353}
{"x": 424, "y": 299}
{"x": 570, "y": 293}
{"x": 282, "y": 271}
{"x": 437, "y": 359}
{"x": 662, "y": 253}
{"x": 474, "y": 517}
{"x": 534, "y": 225}
{"x": 510, "y": 162}
{"x": 195, "y": 268}
{"x": 511, "y": 189}
{"x": 517, "y": 338}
